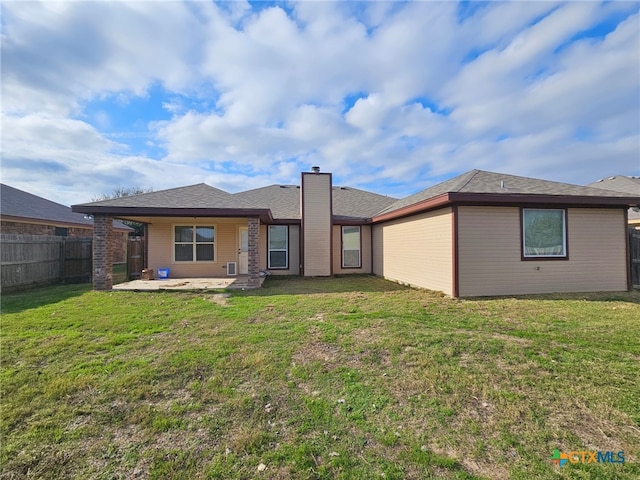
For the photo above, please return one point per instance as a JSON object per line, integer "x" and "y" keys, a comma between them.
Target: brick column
{"x": 254, "y": 257}
{"x": 102, "y": 252}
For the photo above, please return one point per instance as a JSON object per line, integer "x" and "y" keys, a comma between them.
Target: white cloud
{"x": 57, "y": 54}
{"x": 258, "y": 94}
{"x": 64, "y": 134}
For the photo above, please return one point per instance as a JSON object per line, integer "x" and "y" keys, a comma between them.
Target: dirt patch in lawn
{"x": 316, "y": 351}
{"x": 219, "y": 299}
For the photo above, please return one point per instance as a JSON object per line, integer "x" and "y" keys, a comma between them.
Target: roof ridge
{"x": 348, "y": 187}
{"x": 474, "y": 172}
{"x": 165, "y": 190}
{"x": 612, "y": 177}
{"x": 399, "y": 202}
{"x": 241, "y": 192}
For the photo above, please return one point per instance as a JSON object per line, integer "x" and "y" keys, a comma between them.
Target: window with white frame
{"x": 544, "y": 233}
{"x": 194, "y": 243}
{"x": 278, "y": 246}
{"x": 351, "y": 257}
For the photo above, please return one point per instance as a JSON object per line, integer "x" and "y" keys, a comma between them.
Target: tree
{"x": 120, "y": 192}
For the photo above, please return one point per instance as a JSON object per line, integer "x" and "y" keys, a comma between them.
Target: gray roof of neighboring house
{"x": 18, "y": 203}
{"x": 482, "y": 182}
{"x": 620, "y": 183}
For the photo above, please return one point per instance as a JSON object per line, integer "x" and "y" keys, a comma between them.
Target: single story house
{"x": 23, "y": 213}
{"x": 623, "y": 184}
{"x": 478, "y": 234}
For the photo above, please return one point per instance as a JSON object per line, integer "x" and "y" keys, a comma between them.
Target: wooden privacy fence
{"x": 135, "y": 257}
{"x": 29, "y": 260}
{"x": 634, "y": 256}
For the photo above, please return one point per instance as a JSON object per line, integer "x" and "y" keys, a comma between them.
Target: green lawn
{"x": 327, "y": 378}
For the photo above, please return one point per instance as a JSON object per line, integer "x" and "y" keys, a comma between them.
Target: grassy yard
{"x": 310, "y": 379}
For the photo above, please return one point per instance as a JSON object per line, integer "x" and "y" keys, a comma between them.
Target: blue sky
{"x": 389, "y": 96}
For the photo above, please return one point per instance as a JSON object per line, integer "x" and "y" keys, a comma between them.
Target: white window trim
{"x": 359, "y": 245}
{"x": 563, "y": 255}
{"x": 194, "y": 243}
{"x": 269, "y": 249}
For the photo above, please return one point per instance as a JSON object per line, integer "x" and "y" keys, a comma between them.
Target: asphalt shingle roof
{"x": 479, "y": 181}
{"x": 200, "y": 195}
{"x": 630, "y": 185}
{"x": 18, "y": 203}
{"x": 620, "y": 183}
{"x": 284, "y": 201}
{"x": 354, "y": 203}
{"x": 348, "y": 203}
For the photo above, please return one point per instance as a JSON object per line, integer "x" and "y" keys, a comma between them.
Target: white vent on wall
{"x": 232, "y": 269}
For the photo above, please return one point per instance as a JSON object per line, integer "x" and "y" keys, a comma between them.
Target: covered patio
{"x": 241, "y": 282}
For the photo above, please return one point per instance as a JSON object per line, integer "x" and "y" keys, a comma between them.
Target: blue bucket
{"x": 163, "y": 273}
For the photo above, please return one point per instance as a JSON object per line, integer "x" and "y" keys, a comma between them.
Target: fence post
{"x": 62, "y": 259}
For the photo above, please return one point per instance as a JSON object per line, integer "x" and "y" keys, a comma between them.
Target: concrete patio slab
{"x": 229, "y": 283}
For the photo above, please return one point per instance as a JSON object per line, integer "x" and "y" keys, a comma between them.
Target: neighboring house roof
{"x": 17, "y": 204}
{"x": 620, "y": 183}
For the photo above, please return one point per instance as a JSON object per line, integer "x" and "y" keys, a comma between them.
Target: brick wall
{"x": 102, "y": 252}
{"x": 20, "y": 228}
{"x": 254, "y": 256}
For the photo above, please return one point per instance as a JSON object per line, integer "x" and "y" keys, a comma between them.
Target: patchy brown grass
{"x": 330, "y": 378}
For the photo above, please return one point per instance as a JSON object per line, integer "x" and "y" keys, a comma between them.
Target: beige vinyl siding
{"x": 489, "y": 246}
{"x": 316, "y": 218}
{"x": 160, "y": 254}
{"x": 294, "y": 251}
{"x": 377, "y": 260}
{"x": 365, "y": 251}
{"x": 416, "y": 250}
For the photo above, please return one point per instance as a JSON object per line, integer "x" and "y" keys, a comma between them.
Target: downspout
{"x": 454, "y": 253}
{"x": 371, "y": 245}
{"x": 626, "y": 249}
{"x": 145, "y": 259}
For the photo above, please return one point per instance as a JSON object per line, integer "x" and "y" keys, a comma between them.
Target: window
{"x": 194, "y": 243}
{"x": 544, "y": 233}
{"x": 351, "y": 247}
{"x": 278, "y": 246}
{"x": 61, "y": 232}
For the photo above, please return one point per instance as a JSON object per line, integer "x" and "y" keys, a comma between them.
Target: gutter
{"x": 504, "y": 200}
